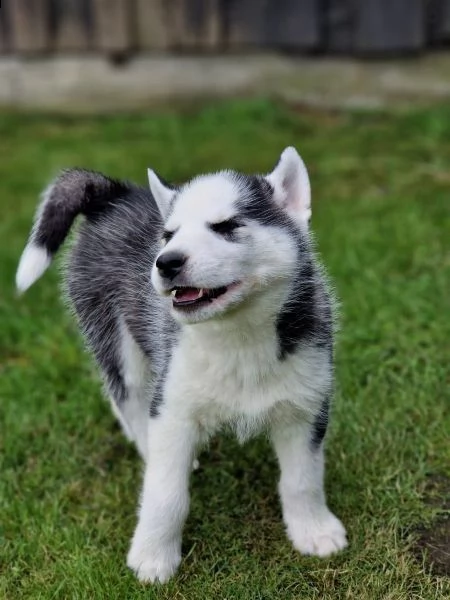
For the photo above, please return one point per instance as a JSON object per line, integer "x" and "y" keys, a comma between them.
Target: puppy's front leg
{"x": 310, "y": 525}
{"x": 155, "y": 551}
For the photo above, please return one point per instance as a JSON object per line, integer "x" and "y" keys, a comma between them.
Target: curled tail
{"x": 73, "y": 192}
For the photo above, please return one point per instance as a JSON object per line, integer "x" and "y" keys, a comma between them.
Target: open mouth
{"x": 190, "y": 296}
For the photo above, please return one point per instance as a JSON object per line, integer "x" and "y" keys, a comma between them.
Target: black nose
{"x": 169, "y": 264}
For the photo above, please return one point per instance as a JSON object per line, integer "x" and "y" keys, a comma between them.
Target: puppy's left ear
{"x": 292, "y": 190}
{"x": 162, "y": 193}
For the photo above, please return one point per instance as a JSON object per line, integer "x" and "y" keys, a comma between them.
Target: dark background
{"x": 122, "y": 28}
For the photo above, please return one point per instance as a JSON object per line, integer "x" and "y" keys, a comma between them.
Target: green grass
{"x": 69, "y": 481}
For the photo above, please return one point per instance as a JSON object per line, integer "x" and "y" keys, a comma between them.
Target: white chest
{"x": 220, "y": 382}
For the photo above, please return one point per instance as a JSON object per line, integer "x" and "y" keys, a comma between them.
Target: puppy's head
{"x": 229, "y": 236}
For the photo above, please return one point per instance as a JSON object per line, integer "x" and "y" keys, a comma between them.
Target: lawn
{"x": 69, "y": 480}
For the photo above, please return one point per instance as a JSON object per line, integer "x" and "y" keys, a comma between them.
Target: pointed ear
{"x": 162, "y": 193}
{"x": 291, "y": 185}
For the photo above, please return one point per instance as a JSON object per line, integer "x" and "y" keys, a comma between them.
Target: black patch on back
{"x": 101, "y": 195}
{"x": 319, "y": 427}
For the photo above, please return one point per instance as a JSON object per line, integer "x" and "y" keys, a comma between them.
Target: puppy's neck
{"x": 251, "y": 323}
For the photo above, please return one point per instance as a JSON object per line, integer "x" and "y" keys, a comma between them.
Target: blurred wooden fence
{"x": 123, "y": 27}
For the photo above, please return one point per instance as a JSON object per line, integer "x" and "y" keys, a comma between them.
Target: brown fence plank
{"x": 198, "y": 23}
{"x": 385, "y": 26}
{"x": 151, "y": 23}
{"x": 30, "y": 25}
{"x": 71, "y": 24}
{"x": 178, "y": 24}
{"x": 112, "y": 24}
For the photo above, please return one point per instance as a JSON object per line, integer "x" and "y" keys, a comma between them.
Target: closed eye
{"x": 225, "y": 228}
{"x": 167, "y": 236}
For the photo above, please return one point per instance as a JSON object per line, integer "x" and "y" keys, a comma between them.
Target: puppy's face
{"x": 227, "y": 237}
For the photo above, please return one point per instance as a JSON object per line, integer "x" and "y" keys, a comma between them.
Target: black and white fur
{"x": 204, "y": 306}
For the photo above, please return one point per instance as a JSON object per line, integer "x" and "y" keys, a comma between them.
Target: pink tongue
{"x": 188, "y": 294}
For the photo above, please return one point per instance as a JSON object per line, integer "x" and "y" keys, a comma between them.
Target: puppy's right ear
{"x": 162, "y": 193}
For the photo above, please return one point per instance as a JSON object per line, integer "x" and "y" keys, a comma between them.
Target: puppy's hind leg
{"x": 130, "y": 410}
{"x": 134, "y": 410}
{"x": 124, "y": 366}
{"x": 125, "y": 372}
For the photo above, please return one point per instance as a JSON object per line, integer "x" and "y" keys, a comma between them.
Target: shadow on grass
{"x": 432, "y": 545}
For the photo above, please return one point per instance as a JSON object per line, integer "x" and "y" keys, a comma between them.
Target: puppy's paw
{"x": 319, "y": 536}
{"x": 153, "y": 564}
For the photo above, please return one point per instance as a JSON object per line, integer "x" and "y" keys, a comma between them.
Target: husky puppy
{"x": 204, "y": 306}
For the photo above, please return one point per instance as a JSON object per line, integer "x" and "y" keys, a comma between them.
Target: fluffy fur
{"x": 204, "y": 306}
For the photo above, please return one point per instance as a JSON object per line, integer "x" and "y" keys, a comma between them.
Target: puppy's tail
{"x": 74, "y": 192}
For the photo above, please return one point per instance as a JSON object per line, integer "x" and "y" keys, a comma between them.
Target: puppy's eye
{"x": 166, "y": 237}
{"x": 225, "y": 228}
